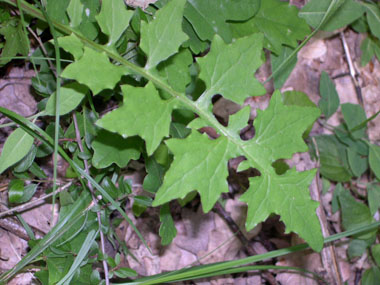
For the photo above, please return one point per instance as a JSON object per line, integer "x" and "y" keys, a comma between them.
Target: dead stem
{"x": 351, "y": 67}
{"x": 33, "y": 203}
{"x": 245, "y": 242}
{"x": 328, "y": 255}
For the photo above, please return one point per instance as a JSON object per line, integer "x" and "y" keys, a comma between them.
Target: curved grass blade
{"x": 334, "y": 5}
{"x": 86, "y": 246}
{"x": 217, "y": 268}
{"x": 57, "y": 96}
{"x": 259, "y": 268}
{"x": 41, "y": 135}
{"x": 55, "y": 233}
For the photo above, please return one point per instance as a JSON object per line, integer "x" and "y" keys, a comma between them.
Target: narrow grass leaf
{"x": 90, "y": 238}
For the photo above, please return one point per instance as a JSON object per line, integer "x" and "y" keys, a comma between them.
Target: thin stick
{"x": 34, "y": 203}
{"x": 328, "y": 255}
{"x": 17, "y": 229}
{"x": 351, "y": 67}
{"x": 52, "y": 67}
{"x": 94, "y": 199}
{"x": 244, "y": 241}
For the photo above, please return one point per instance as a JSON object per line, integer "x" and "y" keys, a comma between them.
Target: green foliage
{"x": 15, "y": 148}
{"x": 227, "y": 68}
{"x": 277, "y": 60}
{"x": 370, "y": 48}
{"x": 374, "y": 159}
{"x": 94, "y": 70}
{"x": 210, "y": 17}
{"x": 347, "y": 13}
{"x": 113, "y": 19}
{"x": 16, "y": 42}
{"x": 279, "y": 22}
{"x": 70, "y": 97}
{"x": 152, "y": 77}
{"x": 111, "y": 148}
{"x": 165, "y": 28}
{"x": 373, "y": 18}
{"x": 143, "y": 113}
{"x": 329, "y": 102}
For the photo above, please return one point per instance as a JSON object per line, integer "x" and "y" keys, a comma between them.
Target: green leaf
{"x": 125, "y": 272}
{"x": 114, "y": 19}
{"x": 358, "y": 164}
{"x": 276, "y": 61}
{"x": 297, "y": 98}
{"x": 325, "y": 186}
{"x": 143, "y": 113}
{"x": 140, "y": 204}
{"x": 57, "y": 10}
{"x": 210, "y": 17}
{"x": 86, "y": 245}
{"x": 329, "y": 101}
{"x": 28, "y": 193}
{"x": 228, "y": 68}
{"x": 75, "y": 12}
{"x": 15, "y": 41}
{"x": 348, "y": 12}
{"x": 179, "y": 131}
{"x": 94, "y": 70}
{"x": 201, "y": 164}
{"x": 373, "y": 18}
{"x": 333, "y": 158}
{"x": 367, "y": 48}
{"x": 356, "y": 248}
{"x": 287, "y": 196}
{"x": 15, "y": 190}
{"x": 175, "y": 70}
{"x": 110, "y": 187}
{"x": 194, "y": 42}
{"x": 26, "y": 162}
{"x": 155, "y": 175}
{"x": 344, "y": 136}
{"x": 196, "y": 156}
{"x": 112, "y": 148}
{"x": 374, "y": 159}
{"x": 278, "y": 21}
{"x": 15, "y": 148}
{"x": 72, "y": 44}
{"x": 71, "y": 95}
{"x": 354, "y": 115}
{"x": 360, "y": 25}
{"x": 58, "y": 267}
{"x": 335, "y": 200}
{"x": 375, "y": 249}
{"x": 355, "y": 214}
{"x": 163, "y": 36}
{"x": 371, "y": 276}
{"x": 168, "y": 230}
{"x": 373, "y": 191}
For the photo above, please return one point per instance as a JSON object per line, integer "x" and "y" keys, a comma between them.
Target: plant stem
{"x": 94, "y": 199}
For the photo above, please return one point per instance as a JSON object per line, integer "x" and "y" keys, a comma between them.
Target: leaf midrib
{"x": 141, "y": 71}
{"x": 158, "y": 83}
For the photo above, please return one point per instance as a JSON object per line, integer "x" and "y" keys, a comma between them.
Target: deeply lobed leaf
{"x": 163, "y": 36}
{"x": 143, "y": 113}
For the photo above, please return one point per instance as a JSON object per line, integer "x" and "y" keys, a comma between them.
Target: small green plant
{"x": 159, "y": 70}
